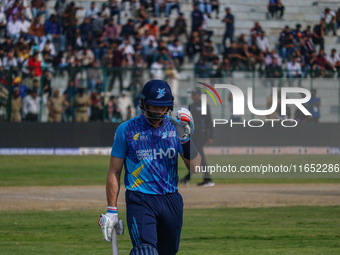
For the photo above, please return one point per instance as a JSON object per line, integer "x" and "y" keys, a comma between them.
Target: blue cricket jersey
{"x": 150, "y": 155}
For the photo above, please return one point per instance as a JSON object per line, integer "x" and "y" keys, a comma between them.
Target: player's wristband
{"x": 189, "y": 150}
{"x": 111, "y": 209}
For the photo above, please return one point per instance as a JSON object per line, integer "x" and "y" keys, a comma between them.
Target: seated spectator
{"x": 24, "y": 26}
{"x": 159, "y": 7}
{"x": 310, "y": 62}
{"x": 172, "y": 4}
{"x": 149, "y": 52}
{"x": 163, "y": 56}
{"x": 215, "y": 71}
{"x": 113, "y": 110}
{"x": 297, "y": 33}
{"x": 208, "y": 51}
{"x": 81, "y": 106}
{"x": 294, "y": 71}
{"x": 16, "y": 9}
{"x": 202, "y": 69}
{"x": 180, "y": 26}
{"x": 176, "y": 52}
{"x": 334, "y": 59}
{"x": 287, "y": 48}
{"x": 99, "y": 46}
{"x": 318, "y": 34}
{"x": 237, "y": 60}
{"x": 204, "y": 6}
{"x": 53, "y": 33}
{"x": 142, "y": 15}
{"x": 257, "y": 29}
{"x": 255, "y": 56}
{"x": 97, "y": 25}
{"x": 16, "y": 106}
{"x": 13, "y": 28}
{"x": 330, "y": 20}
{"x": 276, "y": 6}
{"x": 39, "y": 8}
{"x": 166, "y": 30}
{"x": 111, "y": 30}
{"x": 324, "y": 66}
{"x": 7, "y": 45}
{"x": 153, "y": 29}
{"x": 92, "y": 10}
{"x": 55, "y": 107}
{"x": 86, "y": 57}
{"x": 262, "y": 43}
{"x": 37, "y": 31}
{"x": 225, "y": 68}
{"x": 10, "y": 62}
{"x": 31, "y": 106}
{"x": 273, "y": 73}
{"x": 128, "y": 29}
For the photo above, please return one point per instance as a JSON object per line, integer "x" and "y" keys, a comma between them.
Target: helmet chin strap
{"x": 155, "y": 118}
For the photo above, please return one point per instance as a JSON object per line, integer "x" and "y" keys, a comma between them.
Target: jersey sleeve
{"x": 119, "y": 147}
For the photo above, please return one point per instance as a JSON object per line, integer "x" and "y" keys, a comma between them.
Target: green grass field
{"x": 281, "y": 230}
{"x": 289, "y": 230}
{"x": 91, "y": 170}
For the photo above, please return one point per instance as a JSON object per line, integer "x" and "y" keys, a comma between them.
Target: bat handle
{"x": 114, "y": 242}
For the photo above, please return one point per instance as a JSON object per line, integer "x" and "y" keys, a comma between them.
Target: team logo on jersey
{"x": 135, "y": 137}
{"x": 161, "y": 93}
{"x": 164, "y": 135}
{"x": 172, "y": 133}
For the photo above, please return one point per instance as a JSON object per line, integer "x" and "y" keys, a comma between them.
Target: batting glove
{"x": 184, "y": 124}
{"x": 108, "y": 222}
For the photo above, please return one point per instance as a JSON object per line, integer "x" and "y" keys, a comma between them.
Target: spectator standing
{"x": 180, "y": 26}
{"x": 126, "y": 106}
{"x": 294, "y": 71}
{"x": 16, "y": 106}
{"x": 70, "y": 23}
{"x": 95, "y": 78}
{"x": 172, "y": 77}
{"x": 117, "y": 65}
{"x": 55, "y": 107}
{"x": 31, "y": 106}
{"x": 314, "y": 106}
{"x": 196, "y": 18}
{"x": 229, "y": 30}
{"x": 81, "y": 105}
{"x": 156, "y": 71}
{"x": 113, "y": 110}
{"x": 318, "y": 34}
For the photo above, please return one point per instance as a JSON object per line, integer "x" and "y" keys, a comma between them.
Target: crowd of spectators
{"x": 40, "y": 43}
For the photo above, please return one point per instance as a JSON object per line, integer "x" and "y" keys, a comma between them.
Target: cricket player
{"x": 148, "y": 147}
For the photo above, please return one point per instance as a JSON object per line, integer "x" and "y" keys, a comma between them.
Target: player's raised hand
{"x": 184, "y": 124}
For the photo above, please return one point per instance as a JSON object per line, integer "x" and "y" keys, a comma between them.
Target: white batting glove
{"x": 108, "y": 222}
{"x": 184, "y": 124}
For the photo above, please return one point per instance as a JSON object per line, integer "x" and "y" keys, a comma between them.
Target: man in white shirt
{"x": 24, "y": 25}
{"x": 330, "y": 23}
{"x": 294, "y": 72}
{"x": 3, "y": 20}
{"x": 334, "y": 59}
{"x": 262, "y": 42}
{"x": 13, "y": 28}
{"x": 31, "y": 106}
{"x": 157, "y": 70}
{"x": 92, "y": 11}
